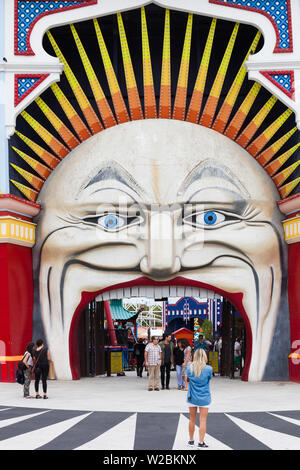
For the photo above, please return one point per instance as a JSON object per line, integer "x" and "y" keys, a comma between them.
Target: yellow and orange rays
{"x": 30, "y": 193}
{"x": 264, "y": 157}
{"x": 41, "y": 169}
{"x": 286, "y": 190}
{"x": 102, "y": 104}
{"x": 75, "y": 120}
{"x": 214, "y": 95}
{"x": 283, "y": 175}
{"x": 149, "y": 93}
{"x": 44, "y": 155}
{"x": 229, "y": 102}
{"x": 276, "y": 164}
{"x": 116, "y": 94}
{"x": 35, "y": 181}
{"x": 247, "y": 134}
{"x": 197, "y": 96}
{"x": 132, "y": 90}
{"x": 86, "y": 107}
{"x": 261, "y": 141}
{"x": 60, "y": 150}
{"x": 58, "y": 125}
{"x": 237, "y": 121}
{"x": 76, "y": 129}
{"x": 181, "y": 91}
{"x": 165, "y": 83}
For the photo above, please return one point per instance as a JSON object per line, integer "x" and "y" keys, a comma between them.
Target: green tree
{"x": 207, "y": 328}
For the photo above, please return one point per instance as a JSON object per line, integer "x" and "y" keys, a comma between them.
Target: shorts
{"x": 198, "y": 406}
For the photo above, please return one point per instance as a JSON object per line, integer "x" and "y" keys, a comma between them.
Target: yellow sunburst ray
{"x": 286, "y": 190}
{"x": 44, "y": 155}
{"x": 231, "y": 97}
{"x": 58, "y": 148}
{"x": 30, "y": 193}
{"x": 276, "y": 164}
{"x": 149, "y": 93}
{"x": 261, "y": 141}
{"x": 264, "y": 157}
{"x": 238, "y": 119}
{"x": 86, "y": 107}
{"x": 75, "y": 120}
{"x": 197, "y": 96}
{"x": 116, "y": 94}
{"x": 165, "y": 83}
{"x": 247, "y": 134}
{"x": 212, "y": 101}
{"x": 35, "y": 181}
{"x": 101, "y": 101}
{"x": 132, "y": 90}
{"x": 58, "y": 125}
{"x": 181, "y": 90}
{"x": 41, "y": 169}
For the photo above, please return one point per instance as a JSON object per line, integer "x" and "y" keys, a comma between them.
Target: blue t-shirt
{"x": 199, "y": 391}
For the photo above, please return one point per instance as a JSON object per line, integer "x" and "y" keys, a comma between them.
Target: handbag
{"x": 34, "y": 367}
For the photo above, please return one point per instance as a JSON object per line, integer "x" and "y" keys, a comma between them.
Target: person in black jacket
{"x": 41, "y": 367}
{"x": 138, "y": 351}
{"x": 179, "y": 359}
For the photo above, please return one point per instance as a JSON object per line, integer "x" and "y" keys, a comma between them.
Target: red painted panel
{"x": 16, "y": 293}
{"x": 294, "y": 305}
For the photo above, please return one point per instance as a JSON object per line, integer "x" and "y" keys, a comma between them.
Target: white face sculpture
{"x": 159, "y": 199}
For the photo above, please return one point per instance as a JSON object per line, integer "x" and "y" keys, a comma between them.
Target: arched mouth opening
{"x": 143, "y": 287}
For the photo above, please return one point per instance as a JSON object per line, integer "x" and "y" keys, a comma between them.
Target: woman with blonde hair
{"x": 198, "y": 377}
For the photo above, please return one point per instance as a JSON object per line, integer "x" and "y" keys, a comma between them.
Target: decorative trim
{"x": 17, "y": 231}
{"x": 264, "y": 10}
{"x": 290, "y": 205}
{"x": 274, "y": 77}
{"x": 15, "y": 203}
{"x": 292, "y": 230}
{"x": 36, "y": 15}
{"x": 28, "y": 83}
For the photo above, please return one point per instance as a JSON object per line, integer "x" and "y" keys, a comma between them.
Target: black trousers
{"x": 41, "y": 372}
{"x": 139, "y": 367}
{"x": 165, "y": 372}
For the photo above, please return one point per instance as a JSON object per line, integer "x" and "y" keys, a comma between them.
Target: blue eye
{"x": 111, "y": 221}
{"x": 206, "y": 219}
{"x": 210, "y": 218}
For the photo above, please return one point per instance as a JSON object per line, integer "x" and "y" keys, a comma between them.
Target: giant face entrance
{"x": 160, "y": 197}
{"x": 218, "y": 321}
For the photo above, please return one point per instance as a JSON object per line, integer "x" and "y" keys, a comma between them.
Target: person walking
{"x": 152, "y": 361}
{"x": 199, "y": 375}
{"x": 139, "y": 351}
{"x": 41, "y": 367}
{"x": 187, "y": 353}
{"x": 179, "y": 359}
{"x": 167, "y": 359}
{"x": 28, "y": 361}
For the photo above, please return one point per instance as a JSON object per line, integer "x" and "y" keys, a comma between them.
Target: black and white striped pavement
{"x": 45, "y": 429}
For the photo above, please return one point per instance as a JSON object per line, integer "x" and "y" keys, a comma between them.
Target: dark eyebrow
{"x": 210, "y": 168}
{"x": 114, "y": 171}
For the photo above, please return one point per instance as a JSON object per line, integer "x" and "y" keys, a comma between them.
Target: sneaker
{"x": 202, "y": 446}
{"x": 190, "y": 443}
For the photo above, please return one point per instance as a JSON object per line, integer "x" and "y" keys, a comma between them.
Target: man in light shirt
{"x": 153, "y": 355}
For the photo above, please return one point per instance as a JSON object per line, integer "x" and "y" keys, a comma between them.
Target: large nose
{"x": 161, "y": 260}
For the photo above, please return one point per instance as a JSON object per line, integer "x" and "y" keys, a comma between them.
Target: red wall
{"x": 16, "y": 294}
{"x": 294, "y": 291}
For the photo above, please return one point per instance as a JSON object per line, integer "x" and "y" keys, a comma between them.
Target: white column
{"x": 4, "y": 176}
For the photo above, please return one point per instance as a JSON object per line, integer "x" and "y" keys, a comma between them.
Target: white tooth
{"x": 166, "y": 291}
{"x": 210, "y": 294}
{"x": 173, "y": 291}
{"x": 180, "y": 291}
{"x": 203, "y": 293}
{"x": 142, "y": 291}
{"x": 134, "y": 291}
{"x": 188, "y": 291}
{"x": 127, "y": 292}
{"x": 158, "y": 292}
{"x": 119, "y": 293}
{"x": 105, "y": 295}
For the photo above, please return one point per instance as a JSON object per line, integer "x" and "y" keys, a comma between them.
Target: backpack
{"x": 20, "y": 378}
